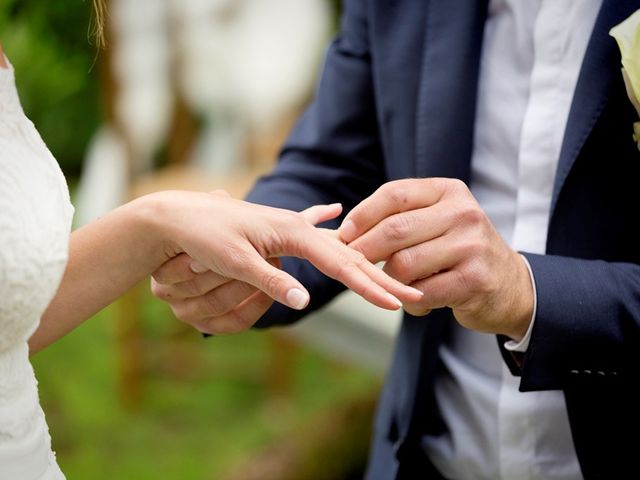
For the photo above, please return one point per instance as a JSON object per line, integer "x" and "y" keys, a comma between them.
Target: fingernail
{"x": 415, "y": 291}
{"x": 197, "y": 267}
{"x": 347, "y": 230}
{"x": 394, "y": 300}
{"x": 297, "y": 299}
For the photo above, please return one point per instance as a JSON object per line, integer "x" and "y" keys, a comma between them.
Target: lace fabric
{"x": 35, "y": 223}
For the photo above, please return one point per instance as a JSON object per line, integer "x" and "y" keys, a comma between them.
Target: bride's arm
{"x": 3, "y": 63}
{"x": 227, "y": 236}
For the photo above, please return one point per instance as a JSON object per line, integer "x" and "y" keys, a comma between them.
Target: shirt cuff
{"x": 523, "y": 344}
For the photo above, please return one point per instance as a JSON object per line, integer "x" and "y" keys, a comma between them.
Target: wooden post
{"x": 280, "y": 371}
{"x": 128, "y": 334}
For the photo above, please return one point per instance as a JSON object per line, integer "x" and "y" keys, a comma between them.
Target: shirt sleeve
{"x": 523, "y": 344}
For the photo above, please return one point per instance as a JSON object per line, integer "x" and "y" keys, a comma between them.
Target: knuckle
{"x": 288, "y": 235}
{"x": 466, "y": 215}
{"x": 362, "y": 212}
{"x": 242, "y": 262}
{"x": 213, "y": 305}
{"x": 472, "y": 215}
{"x": 350, "y": 260}
{"x": 397, "y": 227}
{"x": 395, "y": 193}
{"x": 346, "y": 263}
{"x": 475, "y": 277}
{"x": 341, "y": 271}
{"x": 193, "y": 288}
{"x": 271, "y": 281}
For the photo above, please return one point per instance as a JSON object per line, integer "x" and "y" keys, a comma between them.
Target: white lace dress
{"x": 35, "y": 223}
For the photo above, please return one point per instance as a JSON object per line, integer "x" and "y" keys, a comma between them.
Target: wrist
{"x": 149, "y": 222}
{"x": 523, "y": 300}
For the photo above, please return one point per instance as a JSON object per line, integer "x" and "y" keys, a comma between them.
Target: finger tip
{"x": 414, "y": 293}
{"x": 297, "y": 298}
{"x": 391, "y": 306}
{"x": 347, "y": 230}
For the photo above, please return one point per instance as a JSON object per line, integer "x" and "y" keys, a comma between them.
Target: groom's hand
{"x": 434, "y": 236}
{"x": 207, "y": 301}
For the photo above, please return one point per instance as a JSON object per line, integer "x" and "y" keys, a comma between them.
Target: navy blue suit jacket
{"x": 396, "y": 99}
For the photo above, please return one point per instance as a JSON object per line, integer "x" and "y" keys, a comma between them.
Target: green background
{"x": 206, "y": 407}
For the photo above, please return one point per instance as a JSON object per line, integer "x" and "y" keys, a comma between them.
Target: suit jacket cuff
{"x": 512, "y": 351}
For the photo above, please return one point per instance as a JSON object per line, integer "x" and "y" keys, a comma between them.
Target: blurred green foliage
{"x": 206, "y": 405}
{"x": 48, "y": 44}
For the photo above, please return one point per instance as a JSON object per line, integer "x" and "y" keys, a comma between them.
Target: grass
{"x": 205, "y": 406}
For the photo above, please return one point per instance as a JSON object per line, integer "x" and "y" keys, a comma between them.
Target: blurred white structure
{"x": 244, "y": 64}
{"x": 240, "y": 65}
{"x": 105, "y": 177}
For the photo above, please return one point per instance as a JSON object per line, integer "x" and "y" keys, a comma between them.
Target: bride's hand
{"x": 234, "y": 245}
{"x": 213, "y": 303}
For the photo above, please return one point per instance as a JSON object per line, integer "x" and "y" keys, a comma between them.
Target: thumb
{"x": 276, "y": 283}
{"x": 321, "y": 213}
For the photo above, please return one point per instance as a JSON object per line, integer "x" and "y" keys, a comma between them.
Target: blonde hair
{"x": 97, "y": 29}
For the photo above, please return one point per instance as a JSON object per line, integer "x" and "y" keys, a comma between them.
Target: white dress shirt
{"x": 531, "y": 58}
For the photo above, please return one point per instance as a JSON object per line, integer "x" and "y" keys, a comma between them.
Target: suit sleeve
{"x": 333, "y": 153}
{"x": 587, "y": 324}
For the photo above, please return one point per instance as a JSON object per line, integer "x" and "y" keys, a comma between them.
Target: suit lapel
{"x": 600, "y": 69}
{"x": 444, "y": 141}
{"x": 448, "y": 87}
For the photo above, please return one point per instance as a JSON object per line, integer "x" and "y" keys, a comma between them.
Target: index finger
{"x": 350, "y": 267}
{"x": 391, "y": 198}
